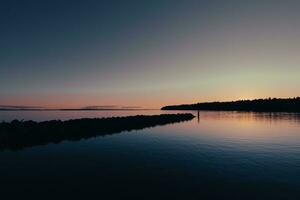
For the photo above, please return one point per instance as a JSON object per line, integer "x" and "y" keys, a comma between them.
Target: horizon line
{"x": 115, "y": 107}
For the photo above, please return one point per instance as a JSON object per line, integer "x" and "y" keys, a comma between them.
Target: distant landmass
{"x": 12, "y": 107}
{"x": 86, "y": 108}
{"x": 259, "y": 105}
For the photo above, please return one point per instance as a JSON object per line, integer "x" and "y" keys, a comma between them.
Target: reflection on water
{"x": 252, "y": 116}
{"x": 65, "y": 115}
{"x": 233, "y": 155}
{"x": 217, "y": 115}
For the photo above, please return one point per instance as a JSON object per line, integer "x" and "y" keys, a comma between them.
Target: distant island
{"x": 17, "y": 134}
{"x": 257, "y": 105}
{"x": 86, "y": 108}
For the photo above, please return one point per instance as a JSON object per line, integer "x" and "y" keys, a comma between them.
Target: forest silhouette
{"x": 258, "y": 105}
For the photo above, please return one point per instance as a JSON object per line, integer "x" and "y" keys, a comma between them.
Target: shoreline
{"x": 17, "y": 134}
{"x": 256, "y": 105}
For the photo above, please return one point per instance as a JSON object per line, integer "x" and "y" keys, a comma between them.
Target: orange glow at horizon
{"x": 150, "y": 101}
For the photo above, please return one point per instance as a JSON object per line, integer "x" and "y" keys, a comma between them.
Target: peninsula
{"x": 258, "y": 105}
{"x": 17, "y": 134}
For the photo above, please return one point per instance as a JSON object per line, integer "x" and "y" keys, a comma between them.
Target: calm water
{"x": 236, "y": 155}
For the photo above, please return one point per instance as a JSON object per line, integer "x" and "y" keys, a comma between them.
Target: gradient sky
{"x": 147, "y": 53}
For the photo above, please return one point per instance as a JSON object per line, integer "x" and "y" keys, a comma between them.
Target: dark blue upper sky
{"x": 147, "y": 52}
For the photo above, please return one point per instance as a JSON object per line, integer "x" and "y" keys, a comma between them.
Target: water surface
{"x": 220, "y": 154}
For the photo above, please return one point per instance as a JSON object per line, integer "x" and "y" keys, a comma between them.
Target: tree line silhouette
{"x": 17, "y": 134}
{"x": 259, "y": 105}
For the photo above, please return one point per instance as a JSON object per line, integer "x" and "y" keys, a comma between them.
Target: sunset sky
{"x": 147, "y": 53}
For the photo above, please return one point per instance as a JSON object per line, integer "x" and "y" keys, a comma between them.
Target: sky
{"x": 70, "y": 54}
